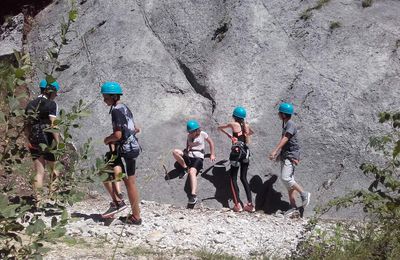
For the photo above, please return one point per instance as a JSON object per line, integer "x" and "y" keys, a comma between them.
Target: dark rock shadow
{"x": 267, "y": 198}
{"x": 219, "y": 177}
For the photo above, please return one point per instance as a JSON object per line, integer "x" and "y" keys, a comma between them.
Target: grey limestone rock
{"x": 199, "y": 59}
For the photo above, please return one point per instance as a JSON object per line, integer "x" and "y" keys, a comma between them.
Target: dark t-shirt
{"x": 291, "y": 150}
{"x": 38, "y": 112}
{"x": 122, "y": 120}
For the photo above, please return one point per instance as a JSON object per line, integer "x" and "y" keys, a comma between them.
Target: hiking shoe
{"x": 192, "y": 199}
{"x": 114, "y": 208}
{"x": 290, "y": 212}
{"x": 249, "y": 207}
{"x": 306, "y": 199}
{"x": 131, "y": 220}
{"x": 183, "y": 173}
{"x": 237, "y": 208}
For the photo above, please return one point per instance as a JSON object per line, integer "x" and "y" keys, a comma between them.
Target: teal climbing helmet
{"x": 192, "y": 125}
{"x": 43, "y": 84}
{"x": 239, "y": 112}
{"x": 111, "y": 88}
{"x": 286, "y": 108}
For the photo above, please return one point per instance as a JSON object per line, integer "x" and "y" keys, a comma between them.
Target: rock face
{"x": 338, "y": 63}
{"x": 11, "y": 36}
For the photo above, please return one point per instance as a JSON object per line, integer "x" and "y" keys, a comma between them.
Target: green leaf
{"x": 2, "y": 118}
{"x": 396, "y": 149}
{"x": 9, "y": 211}
{"x": 52, "y": 130}
{"x": 50, "y": 79}
{"x": 35, "y": 228}
{"x": 73, "y": 15}
{"x": 43, "y": 146}
{"x": 384, "y": 116}
{"x": 64, "y": 216}
{"x": 3, "y": 201}
{"x": 19, "y": 73}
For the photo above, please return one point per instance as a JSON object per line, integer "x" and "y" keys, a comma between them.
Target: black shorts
{"x": 128, "y": 165}
{"x": 36, "y": 153}
{"x": 193, "y": 162}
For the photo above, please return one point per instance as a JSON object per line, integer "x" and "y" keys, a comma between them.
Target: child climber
{"x": 239, "y": 156}
{"x": 127, "y": 149}
{"x": 191, "y": 159}
{"x": 41, "y": 115}
{"x": 288, "y": 151}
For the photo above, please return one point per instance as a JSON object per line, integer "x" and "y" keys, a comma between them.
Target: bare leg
{"x": 292, "y": 197}
{"x": 112, "y": 188}
{"x": 178, "y": 155}
{"x": 53, "y": 186}
{"x": 38, "y": 165}
{"x": 133, "y": 195}
{"x": 193, "y": 180}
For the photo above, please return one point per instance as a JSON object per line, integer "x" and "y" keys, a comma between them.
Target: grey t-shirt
{"x": 291, "y": 150}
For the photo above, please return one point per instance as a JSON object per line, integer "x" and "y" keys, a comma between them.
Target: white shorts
{"x": 287, "y": 174}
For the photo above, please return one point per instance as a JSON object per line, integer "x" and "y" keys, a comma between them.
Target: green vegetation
{"x": 379, "y": 238}
{"x": 334, "y": 25}
{"x": 366, "y": 3}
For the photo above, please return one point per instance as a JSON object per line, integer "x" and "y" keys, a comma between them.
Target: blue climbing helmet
{"x": 192, "y": 125}
{"x": 111, "y": 88}
{"x": 286, "y": 108}
{"x": 43, "y": 84}
{"x": 239, "y": 112}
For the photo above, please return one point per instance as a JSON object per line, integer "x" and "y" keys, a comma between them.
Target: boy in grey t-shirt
{"x": 289, "y": 153}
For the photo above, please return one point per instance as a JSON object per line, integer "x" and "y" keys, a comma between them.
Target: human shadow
{"x": 174, "y": 173}
{"x": 96, "y": 218}
{"x": 219, "y": 177}
{"x": 267, "y": 198}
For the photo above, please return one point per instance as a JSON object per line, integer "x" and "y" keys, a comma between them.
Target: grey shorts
{"x": 287, "y": 174}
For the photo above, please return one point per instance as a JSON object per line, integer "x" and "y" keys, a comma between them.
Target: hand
{"x": 273, "y": 155}
{"x": 212, "y": 157}
{"x": 106, "y": 140}
{"x": 234, "y": 139}
{"x": 295, "y": 162}
{"x": 30, "y": 146}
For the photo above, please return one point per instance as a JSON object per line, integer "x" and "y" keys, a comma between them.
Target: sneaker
{"x": 121, "y": 205}
{"x": 192, "y": 199}
{"x": 237, "y": 208}
{"x": 290, "y": 212}
{"x": 306, "y": 199}
{"x": 131, "y": 220}
{"x": 114, "y": 208}
{"x": 249, "y": 207}
{"x": 183, "y": 173}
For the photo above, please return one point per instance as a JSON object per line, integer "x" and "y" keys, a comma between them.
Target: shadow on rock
{"x": 219, "y": 177}
{"x": 96, "y": 218}
{"x": 173, "y": 174}
{"x": 267, "y": 198}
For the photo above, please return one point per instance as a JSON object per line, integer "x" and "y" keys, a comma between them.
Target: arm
{"x": 282, "y": 142}
{"x": 212, "y": 148}
{"x": 137, "y": 130}
{"x": 114, "y": 137}
{"x": 222, "y": 129}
